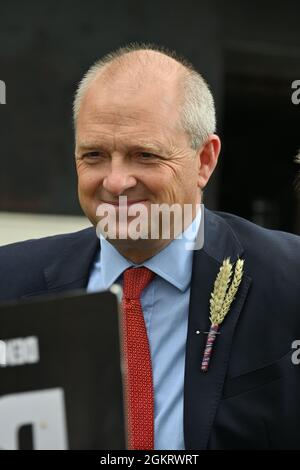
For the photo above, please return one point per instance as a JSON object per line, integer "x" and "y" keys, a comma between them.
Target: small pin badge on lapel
{"x": 220, "y": 301}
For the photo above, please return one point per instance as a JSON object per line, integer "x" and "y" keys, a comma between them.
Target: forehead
{"x": 131, "y": 104}
{"x": 123, "y": 129}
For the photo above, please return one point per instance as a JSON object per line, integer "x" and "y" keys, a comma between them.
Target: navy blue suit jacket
{"x": 249, "y": 398}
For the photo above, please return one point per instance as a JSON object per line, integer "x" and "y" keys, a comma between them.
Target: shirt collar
{"x": 173, "y": 263}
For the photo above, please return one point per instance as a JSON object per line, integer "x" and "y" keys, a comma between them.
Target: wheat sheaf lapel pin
{"x": 225, "y": 288}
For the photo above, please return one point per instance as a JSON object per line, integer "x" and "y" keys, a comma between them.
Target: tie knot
{"x": 135, "y": 280}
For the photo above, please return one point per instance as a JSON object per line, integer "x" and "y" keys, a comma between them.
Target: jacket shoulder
{"x": 39, "y": 247}
{"x": 266, "y": 244}
{"x": 22, "y": 264}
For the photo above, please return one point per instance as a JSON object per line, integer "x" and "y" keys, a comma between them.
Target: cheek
{"x": 183, "y": 182}
{"x": 163, "y": 184}
{"x": 156, "y": 182}
{"x": 88, "y": 182}
{"x": 164, "y": 178}
{"x": 175, "y": 177}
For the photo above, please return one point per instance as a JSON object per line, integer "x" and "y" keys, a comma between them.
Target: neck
{"x": 139, "y": 251}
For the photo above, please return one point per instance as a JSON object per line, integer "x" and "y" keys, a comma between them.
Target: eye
{"x": 91, "y": 154}
{"x": 93, "y": 157}
{"x": 147, "y": 155}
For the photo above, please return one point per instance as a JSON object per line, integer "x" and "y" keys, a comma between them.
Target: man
{"x": 144, "y": 130}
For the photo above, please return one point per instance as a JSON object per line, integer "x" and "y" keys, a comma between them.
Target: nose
{"x": 118, "y": 178}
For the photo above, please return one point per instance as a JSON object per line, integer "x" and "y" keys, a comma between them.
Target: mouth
{"x": 125, "y": 204}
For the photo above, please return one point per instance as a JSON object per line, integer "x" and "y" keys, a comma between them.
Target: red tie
{"x": 138, "y": 369}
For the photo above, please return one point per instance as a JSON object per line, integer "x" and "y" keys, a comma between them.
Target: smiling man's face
{"x": 129, "y": 142}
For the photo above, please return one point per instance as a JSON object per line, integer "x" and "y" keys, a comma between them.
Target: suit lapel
{"x": 202, "y": 391}
{"x": 71, "y": 268}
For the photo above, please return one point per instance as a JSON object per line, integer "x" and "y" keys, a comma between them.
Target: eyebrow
{"x": 88, "y": 145}
{"x": 148, "y": 146}
{"x": 139, "y": 145}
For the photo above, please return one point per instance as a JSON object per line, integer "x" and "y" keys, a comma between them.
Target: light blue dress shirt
{"x": 165, "y": 304}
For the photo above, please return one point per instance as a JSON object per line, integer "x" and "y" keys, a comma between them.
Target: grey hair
{"x": 197, "y": 113}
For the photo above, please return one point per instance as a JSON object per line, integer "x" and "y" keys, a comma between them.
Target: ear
{"x": 208, "y": 159}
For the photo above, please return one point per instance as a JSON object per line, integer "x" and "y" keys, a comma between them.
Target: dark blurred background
{"x": 249, "y": 52}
